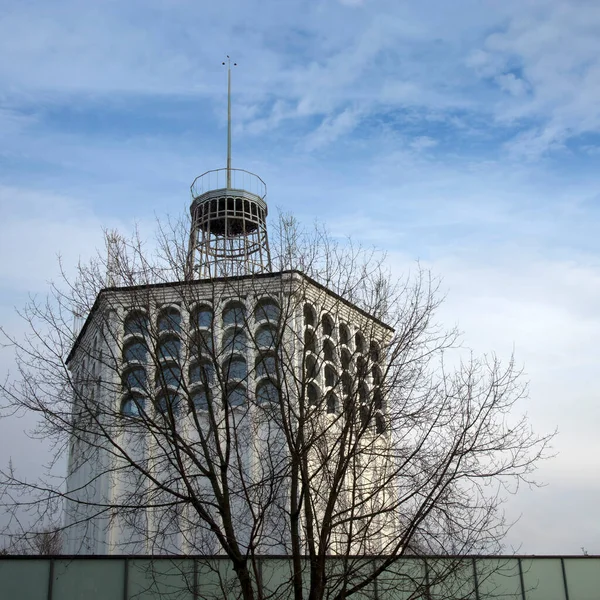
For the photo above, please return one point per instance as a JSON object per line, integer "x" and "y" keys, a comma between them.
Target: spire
{"x": 229, "y": 210}
{"x": 229, "y": 119}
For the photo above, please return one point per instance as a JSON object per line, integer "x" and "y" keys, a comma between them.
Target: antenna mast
{"x": 229, "y": 120}
{"x": 229, "y": 224}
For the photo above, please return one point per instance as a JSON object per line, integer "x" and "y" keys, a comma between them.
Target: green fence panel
{"x": 24, "y": 579}
{"x": 402, "y": 579}
{"x": 498, "y": 579}
{"x": 543, "y": 579}
{"x": 96, "y": 579}
{"x": 451, "y": 578}
{"x": 583, "y": 578}
{"x": 276, "y": 575}
{"x": 162, "y": 579}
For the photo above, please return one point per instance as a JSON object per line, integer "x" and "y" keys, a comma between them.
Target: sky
{"x": 464, "y": 135}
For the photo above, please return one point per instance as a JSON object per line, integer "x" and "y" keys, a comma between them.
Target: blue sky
{"x": 465, "y": 134}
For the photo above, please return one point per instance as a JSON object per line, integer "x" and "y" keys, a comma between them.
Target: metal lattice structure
{"x": 229, "y": 231}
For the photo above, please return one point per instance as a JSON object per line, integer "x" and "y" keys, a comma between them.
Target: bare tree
{"x": 310, "y": 412}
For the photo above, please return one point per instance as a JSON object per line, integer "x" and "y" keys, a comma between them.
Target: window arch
{"x": 236, "y": 395}
{"x": 267, "y": 309}
{"x": 344, "y": 333}
{"x": 330, "y": 376}
{"x": 346, "y": 359}
{"x": 234, "y": 340}
{"x": 313, "y": 394}
{"x": 135, "y": 351}
{"x": 265, "y": 365}
{"x": 202, "y": 372}
{"x": 168, "y": 375}
{"x": 327, "y": 325}
{"x": 201, "y": 342}
{"x": 199, "y": 400}
{"x": 311, "y": 366}
{"x": 169, "y": 348}
{"x": 168, "y": 402}
{"x": 136, "y": 323}
{"x": 359, "y": 342}
{"x": 202, "y": 316}
{"x": 169, "y": 319}
{"x": 376, "y": 375}
{"x": 363, "y": 394}
{"x": 310, "y": 316}
{"x": 234, "y": 313}
{"x": 235, "y": 368}
{"x": 332, "y": 403}
{"x": 134, "y": 377}
{"x": 310, "y": 344}
{"x": 328, "y": 351}
{"x": 266, "y": 392}
{"x": 266, "y": 336}
{"x": 361, "y": 368}
{"x": 346, "y": 383}
{"x": 374, "y": 353}
{"x": 132, "y": 405}
{"x": 378, "y": 400}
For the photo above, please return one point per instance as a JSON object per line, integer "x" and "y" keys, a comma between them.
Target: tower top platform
{"x": 228, "y": 181}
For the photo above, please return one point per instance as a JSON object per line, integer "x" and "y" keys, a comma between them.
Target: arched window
{"x": 312, "y": 368}
{"x": 327, "y": 325}
{"x": 132, "y": 405}
{"x": 202, "y": 316}
{"x": 344, "y": 334}
{"x": 346, "y": 383}
{"x": 309, "y": 315}
{"x": 361, "y": 367}
{"x": 234, "y": 313}
{"x": 374, "y": 354}
{"x": 313, "y": 394}
{"x": 168, "y": 402}
{"x": 332, "y": 403}
{"x": 202, "y": 372}
{"x": 265, "y": 337}
{"x": 134, "y": 377}
{"x": 169, "y": 348}
{"x": 266, "y": 392}
{"x": 235, "y": 368}
{"x": 328, "y": 351}
{"x": 346, "y": 359}
{"x": 136, "y": 323}
{"x": 267, "y": 310}
{"x": 236, "y": 395}
{"x": 363, "y": 394}
{"x": 265, "y": 365}
{"x": 135, "y": 350}
{"x": 169, "y": 319}
{"x": 168, "y": 375}
{"x": 310, "y": 344}
{"x": 234, "y": 340}
{"x": 359, "y": 343}
{"x": 365, "y": 415}
{"x": 201, "y": 342}
{"x": 330, "y": 376}
{"x": 377, "y": 400}
{"x": 376, "y": 374}
{"x": 200, "y": 400}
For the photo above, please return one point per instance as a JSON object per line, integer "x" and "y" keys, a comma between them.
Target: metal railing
{"x": 239, "y": 180}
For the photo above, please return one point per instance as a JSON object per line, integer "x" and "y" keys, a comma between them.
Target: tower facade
{"x": 205, "y": 412}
